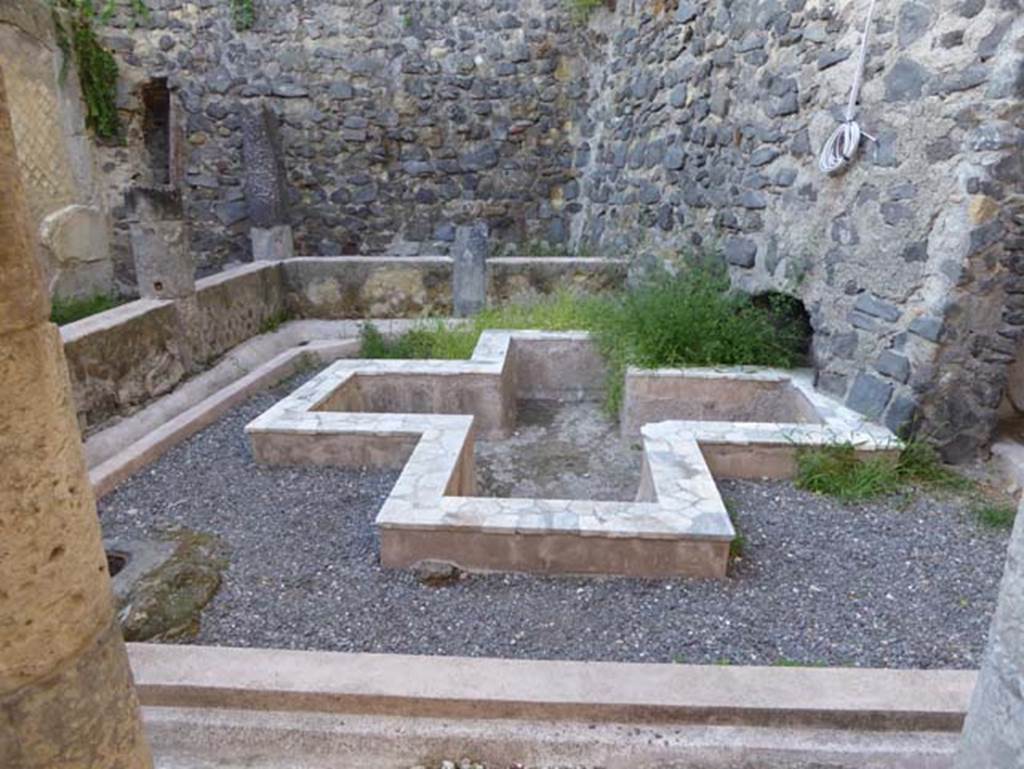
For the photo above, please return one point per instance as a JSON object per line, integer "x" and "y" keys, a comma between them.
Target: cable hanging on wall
{"x": 841, "y": 147}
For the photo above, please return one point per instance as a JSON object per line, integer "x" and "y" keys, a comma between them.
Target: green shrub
{"x": 65, "y": 311}
{"x": 690, "y": 319}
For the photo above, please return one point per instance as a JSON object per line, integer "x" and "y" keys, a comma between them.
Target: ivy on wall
{"x": 580, "y": 10}
{"x": 75, "y": 22}
{"x": 243, "y": 13}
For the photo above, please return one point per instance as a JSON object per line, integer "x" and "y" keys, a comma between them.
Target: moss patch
{"x": 166, "y": 603}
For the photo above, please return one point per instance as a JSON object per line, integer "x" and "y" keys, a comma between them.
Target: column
{"x": 67, "y": 699}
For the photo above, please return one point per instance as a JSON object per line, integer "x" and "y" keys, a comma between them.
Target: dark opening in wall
{"x": 156, "y": 128}
{"x": 790, "y": 315}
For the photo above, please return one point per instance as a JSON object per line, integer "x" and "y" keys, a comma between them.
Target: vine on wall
{"x": 244, "y": 14}
{"x": 75, "y": 22}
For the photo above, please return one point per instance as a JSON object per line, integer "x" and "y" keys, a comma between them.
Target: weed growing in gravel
{"x": 69, "y": 310}
{"x": 839, "y": 472}
{"x": 739, "y": 542}
{"x": 920, "y": 464}
{"x": 995, "y": 516}
{"x": 690, "y": 319}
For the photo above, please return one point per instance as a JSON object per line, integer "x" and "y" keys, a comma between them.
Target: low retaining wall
{"x": 123, "y": 358}
{"x": 341, "y": 288}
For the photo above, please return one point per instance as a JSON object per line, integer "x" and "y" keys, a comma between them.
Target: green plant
{"x": 738, "y": 545}
{"x": 273, "y": 322}
{"x": 430, "y": 341}
{"x": 993, "y": 515}
{"x": 243, "y": 13}
{"x": 838, "y": 471}
{"x": 580, "y": 10}
{"x": 97, "y": 69}
{"x": 920, "y": 464}
{"x": 65, "y": 311}
{"x": 690, "y": 319}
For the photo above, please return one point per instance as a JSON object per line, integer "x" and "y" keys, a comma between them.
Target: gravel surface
{"x": 885, "y": 585}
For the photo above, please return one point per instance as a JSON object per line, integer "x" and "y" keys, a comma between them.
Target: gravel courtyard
{"x": 894, "y": 584}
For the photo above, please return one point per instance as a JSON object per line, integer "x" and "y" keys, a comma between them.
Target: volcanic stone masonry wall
{"x": 399, "y": 120}
{"x": 704, "y": 123}
{"x": 662, "y": 126}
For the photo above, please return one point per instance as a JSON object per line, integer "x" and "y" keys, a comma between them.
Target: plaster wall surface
{"x": 55, "y": 156}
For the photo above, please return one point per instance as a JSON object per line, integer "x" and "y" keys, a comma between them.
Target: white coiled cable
{"x": 841, "y": 147}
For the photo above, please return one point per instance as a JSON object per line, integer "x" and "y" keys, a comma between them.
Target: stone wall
{"x": 704, "y": 126}
{"x": 55, "y": 156}
{"x": 662, "y": 127}
{"x": 410, "y": 287}
{"x": 399, "y": 120}
{"x": 121, "y": 359}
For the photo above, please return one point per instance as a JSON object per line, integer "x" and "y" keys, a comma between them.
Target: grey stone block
{"x": 869, "y": 396}
{"x": 900, "y": 416}
{"x": 894, "y": 366}
{"x": 876, "y": 308}
{"x": 905, "y": 81}
{"x": 675, "y": 158}
{"x": 686, "y": 12}
{"x": 927, "y": 328}
{"x": 265, "y": 183}
{"x": 741, "y": 252}
{"x": 469, "y": 273}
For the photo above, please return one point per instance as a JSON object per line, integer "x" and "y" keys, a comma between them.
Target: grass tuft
{"x": 838, "y": 471}
{"x": 430, "y": 341}
{"x": 995, "y": 516}
{"x": 273, "y": 322}
{"x": 64, "y": 311}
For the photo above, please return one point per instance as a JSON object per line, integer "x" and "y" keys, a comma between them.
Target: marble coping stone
{"x": 678, "y": 498}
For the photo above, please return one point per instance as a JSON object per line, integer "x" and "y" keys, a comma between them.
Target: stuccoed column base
{"x": 82, "y": 716}
{"x": 271, "y": 244}
{"x": 994, "y": 731}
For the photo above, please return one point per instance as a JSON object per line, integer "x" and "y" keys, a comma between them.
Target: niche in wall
{"x": 156, "y": 129}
